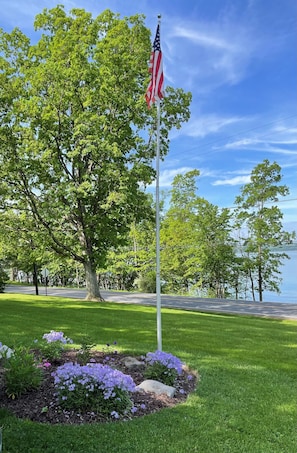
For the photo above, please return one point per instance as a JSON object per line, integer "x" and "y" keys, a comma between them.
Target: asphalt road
{"x": 263, "y": 309}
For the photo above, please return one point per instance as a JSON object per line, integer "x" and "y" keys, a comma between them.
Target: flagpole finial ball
{"x": 159, "y": 16}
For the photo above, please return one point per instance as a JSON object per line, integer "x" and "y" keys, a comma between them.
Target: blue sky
{"x": 238, "y": 58}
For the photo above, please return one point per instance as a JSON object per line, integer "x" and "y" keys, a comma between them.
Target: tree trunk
{"x": 260, "y": 273}
{"x": 260, "y": 283}
{"x": 252, "y": 285}
{"x": 13, "y": 274}
{"x": 35, "y": 278}
{"x": 92, "y": 285}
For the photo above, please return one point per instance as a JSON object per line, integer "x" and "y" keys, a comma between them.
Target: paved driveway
{"x": 263, "y": 309}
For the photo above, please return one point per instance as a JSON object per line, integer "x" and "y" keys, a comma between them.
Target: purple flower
{"x": 56, "y": 336}
{"x": 166, "y": 359}
{"x": 92, "y": 376}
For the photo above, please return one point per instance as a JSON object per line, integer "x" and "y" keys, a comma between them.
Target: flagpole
{"x": 153, "y": 95}
{"x": 158, "y": 280}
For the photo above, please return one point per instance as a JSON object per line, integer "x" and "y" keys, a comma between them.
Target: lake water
{"x": 289, "y": 284}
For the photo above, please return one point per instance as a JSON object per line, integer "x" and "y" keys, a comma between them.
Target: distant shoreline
{"x": 283, "y": 248}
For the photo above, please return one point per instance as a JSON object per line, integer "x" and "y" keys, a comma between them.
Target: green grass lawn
{"x": 245, "y": 401}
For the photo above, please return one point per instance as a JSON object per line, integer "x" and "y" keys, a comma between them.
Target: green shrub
{"x": 22, "y": 373}
{"x": 84, "y": 353}
{"x": 147, "y": 283}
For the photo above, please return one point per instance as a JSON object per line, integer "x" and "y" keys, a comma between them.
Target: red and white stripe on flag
{"x": 155, "y": 88}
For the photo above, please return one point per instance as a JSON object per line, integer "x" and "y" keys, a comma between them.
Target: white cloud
{"x": 237, "y": 180}
{"x": 26, "y": 11}
{"x": 211, "y": 55}
{"x": 279, "y": 139}
{"x": 204, "y": 39}
{"x": 208, "y": 124}
{"x": 167, "y": 176}
{"x": 263, "y": 147}
{"x": 286, "y": 130}
{"x": 206, "y": 172}
{"x": 253, "y": 141}
{"x": 241, "y": 143}
{"x": 278, "y": 150}
{"x": 292, "y": 141}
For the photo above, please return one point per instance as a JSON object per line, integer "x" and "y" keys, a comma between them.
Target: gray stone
{"x": 133, "y": 364}
{"x": 156, "y": 387}
{"x": 5, "y": 351}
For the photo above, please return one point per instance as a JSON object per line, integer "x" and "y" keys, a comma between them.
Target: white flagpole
{"x": 158, "y": 282}
{"x": 158, "y": 279}
{"x": 153, "y": 94}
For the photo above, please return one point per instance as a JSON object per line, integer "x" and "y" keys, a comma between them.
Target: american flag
{"x": 155, "y": 89}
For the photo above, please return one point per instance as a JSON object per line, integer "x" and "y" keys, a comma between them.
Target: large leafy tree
{"x": 22, "y": 251}
{"x": 216, "y": 249}
{"x": 261, "y": 218}
{"x": 133, "y": 263}
{"x": 18, "y": 244}
{"x": 197, "y": 249}
{"x": 76, "y": 138}
{"x": 178, "y": 235}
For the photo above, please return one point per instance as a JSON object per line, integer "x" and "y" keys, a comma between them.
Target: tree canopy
{"x": 197, "y": 248}
{"x": 258, "y": 213}
{"x": 76, "y": 138}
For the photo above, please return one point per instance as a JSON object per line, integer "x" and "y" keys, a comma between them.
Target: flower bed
{"x": 41, "y": 405}
{"x": 56, "y": 385}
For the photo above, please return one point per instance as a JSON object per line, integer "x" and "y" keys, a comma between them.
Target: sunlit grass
{"x": 245, "y": 401}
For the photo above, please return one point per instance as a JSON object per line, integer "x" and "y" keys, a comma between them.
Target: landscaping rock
{"x": 156, "y": 387}
{"x": 133, "y": 364}
{"x": 5, "y": 351}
